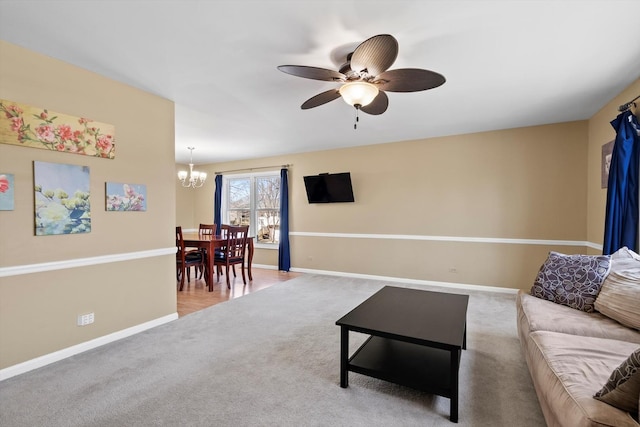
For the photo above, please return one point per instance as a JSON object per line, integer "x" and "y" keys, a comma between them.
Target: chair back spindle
{"x": 207, "y": 229}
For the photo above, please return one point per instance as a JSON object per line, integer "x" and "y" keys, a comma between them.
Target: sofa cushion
{"x": 619, "y": 297}
{"x": 567, "y": 371}
{"x": 623, "y": 386}
{"x": 623, "y": 255}
{"x": 535, "y": 314}
{"x": 571, "y": 280}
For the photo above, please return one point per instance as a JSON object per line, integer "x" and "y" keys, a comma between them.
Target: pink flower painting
{"x": 40, "y": 128}
{"x": 126, "y": 197}
{"x": 4, "y": 184}
{"x": 6, "y": 192}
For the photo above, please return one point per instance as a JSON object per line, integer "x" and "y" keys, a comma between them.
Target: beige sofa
{"x": 571, "y": 354}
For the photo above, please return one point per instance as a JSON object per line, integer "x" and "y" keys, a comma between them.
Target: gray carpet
{"x": 271, "y": 358}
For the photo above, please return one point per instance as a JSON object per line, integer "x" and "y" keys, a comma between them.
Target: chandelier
{"x": 193, "y": 179}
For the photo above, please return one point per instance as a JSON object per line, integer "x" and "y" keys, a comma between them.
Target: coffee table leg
{"x": 344, "y": 356}
{"x": 464, "y": 338}
{"x": 455, "y": 364}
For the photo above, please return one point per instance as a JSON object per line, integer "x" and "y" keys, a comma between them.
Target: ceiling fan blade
{"x": 378, "y": 105}
{"x": 375, "y": 55}
{"x": 314, "y": 73}
{"x": 320, "y": 99}
{"x": 409, "y": 80}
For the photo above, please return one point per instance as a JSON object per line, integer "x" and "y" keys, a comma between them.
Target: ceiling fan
{"x": 364, "y": 77}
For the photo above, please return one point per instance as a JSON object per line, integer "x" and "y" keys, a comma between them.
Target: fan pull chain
{"x": 355, "y": 125}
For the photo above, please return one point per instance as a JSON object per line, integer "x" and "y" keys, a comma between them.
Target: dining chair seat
{"x": 193, "y": 256}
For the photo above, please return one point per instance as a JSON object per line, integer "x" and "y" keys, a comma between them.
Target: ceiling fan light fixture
{"x": 358, "y": 93}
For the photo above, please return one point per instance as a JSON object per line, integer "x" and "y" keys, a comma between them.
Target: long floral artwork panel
{"x": 36, "y": 127}
{"x": 62, "y": 202}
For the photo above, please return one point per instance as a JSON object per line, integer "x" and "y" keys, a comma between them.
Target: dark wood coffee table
{"x": 416, "y": 340}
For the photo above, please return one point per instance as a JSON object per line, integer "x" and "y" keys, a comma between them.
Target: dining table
{"x": 210, "y": 242}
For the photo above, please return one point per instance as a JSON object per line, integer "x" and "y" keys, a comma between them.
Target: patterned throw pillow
{"x": 571, "y": 280}
{"x": 623, "y": 387}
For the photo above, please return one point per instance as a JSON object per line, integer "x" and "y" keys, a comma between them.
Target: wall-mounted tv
{"x": 329, "y": 188}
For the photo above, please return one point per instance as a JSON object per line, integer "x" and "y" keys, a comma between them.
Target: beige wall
{"x": 443, "y": 199}
{"x": 601, "y": 132}
{"x": 185, "y": 199}
{"x": 538, "y": 185}
{"x": 38, "y": 310}
{"x": 526, "y": 184}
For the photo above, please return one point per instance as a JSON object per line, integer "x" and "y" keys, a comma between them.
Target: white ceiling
{"x": 507, "y": 63}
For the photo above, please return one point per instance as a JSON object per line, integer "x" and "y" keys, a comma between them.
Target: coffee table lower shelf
{"x": 423, "y": 368}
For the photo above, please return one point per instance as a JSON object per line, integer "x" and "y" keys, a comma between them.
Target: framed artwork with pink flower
{"x": 36, "y": 127}
{"x": 7, "y": 187}
{"x": 126, "y": 197}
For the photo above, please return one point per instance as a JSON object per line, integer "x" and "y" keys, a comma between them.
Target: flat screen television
{"x": 329, "y": 188}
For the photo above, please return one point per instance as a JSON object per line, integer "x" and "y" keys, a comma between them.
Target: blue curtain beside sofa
{"x": 621, "y": 223}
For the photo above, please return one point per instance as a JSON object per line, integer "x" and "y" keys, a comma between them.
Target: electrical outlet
{"x": 86, "y": 319}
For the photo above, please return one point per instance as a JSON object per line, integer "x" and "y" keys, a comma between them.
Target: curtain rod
{"x": 626, "y": 106}
{"x": 252, "y": 169}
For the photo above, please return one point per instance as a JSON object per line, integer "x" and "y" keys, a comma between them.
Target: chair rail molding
{"x": 462, "y": 239}
{"x": 83, "y": 262}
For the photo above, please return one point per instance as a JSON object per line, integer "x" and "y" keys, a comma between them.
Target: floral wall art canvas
{"x": 126, "y": 197}
{"x": 6, "y": 191}
{"x": 37, "y": 127}
{"x": 62, "y": 202}
{"x": 607, "y": 152}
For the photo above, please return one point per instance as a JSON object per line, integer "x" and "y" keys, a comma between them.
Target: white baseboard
{"x": 56, "y": 356}
{"x": 264, "y": 266}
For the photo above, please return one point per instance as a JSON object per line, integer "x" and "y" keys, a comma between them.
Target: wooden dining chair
{"x": 233, "y": 252}
{"x": 224, "y": 228}
{"x": 187, "y": 259}
{"x": 207, "y": 229}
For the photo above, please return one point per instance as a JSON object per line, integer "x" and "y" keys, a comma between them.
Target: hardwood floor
{"x": 195, "y": 296}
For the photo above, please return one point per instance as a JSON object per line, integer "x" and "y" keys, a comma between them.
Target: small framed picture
{"x": 607, "y": 151}
{"x": 126, "y": 197}
{"x": 7, "y": 189}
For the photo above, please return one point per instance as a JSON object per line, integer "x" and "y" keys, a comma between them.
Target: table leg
{"x": 210, "y": 265}
{"x": 455, "y": 365}
{"x": 250, "y": 259}
{"x": 344, "y": 356}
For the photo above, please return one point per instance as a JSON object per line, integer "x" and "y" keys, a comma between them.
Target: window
{"x": 254, "y": 200}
